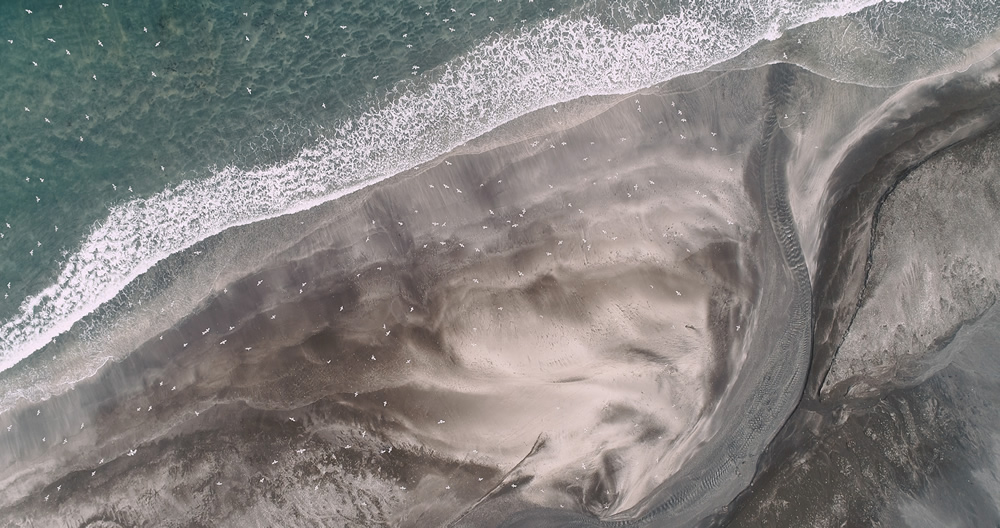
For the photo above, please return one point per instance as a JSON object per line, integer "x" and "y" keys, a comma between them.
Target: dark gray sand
{"x": 601, "y": 314}
{"x": 898, "y": 426}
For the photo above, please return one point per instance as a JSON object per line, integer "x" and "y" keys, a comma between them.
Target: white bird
{"x": 154, "y": 74}
{"x": 249, "y": 92}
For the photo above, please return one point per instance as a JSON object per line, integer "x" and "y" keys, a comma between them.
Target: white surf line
{"x": 504, "y": 78}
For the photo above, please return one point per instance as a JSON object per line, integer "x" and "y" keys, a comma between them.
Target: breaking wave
{"x": 554, "y": 61}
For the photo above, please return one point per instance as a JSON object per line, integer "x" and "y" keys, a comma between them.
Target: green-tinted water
{"x": 240, "y": 82}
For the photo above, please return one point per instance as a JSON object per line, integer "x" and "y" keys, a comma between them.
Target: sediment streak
{"x": 769, "y": 386}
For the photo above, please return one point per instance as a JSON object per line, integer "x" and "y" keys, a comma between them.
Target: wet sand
{"x": 559, "y": 311}
{"x": 601, "y": 313}
{"x": 897, "y": 426}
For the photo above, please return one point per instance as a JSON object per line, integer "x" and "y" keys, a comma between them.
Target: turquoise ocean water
{"x": 236, "y": 83}
{"x": 130, "y": 130}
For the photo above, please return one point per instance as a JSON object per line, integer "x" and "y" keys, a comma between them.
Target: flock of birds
{"x": 513, "y": 221}
{"x": 416, "y": 69}
{"x": 38, "y": 243}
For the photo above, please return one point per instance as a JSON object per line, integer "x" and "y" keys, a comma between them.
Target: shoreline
{"x": 574, "y": 319}
{"x": 539, "y": 258}
{"x": 87, "y": 271}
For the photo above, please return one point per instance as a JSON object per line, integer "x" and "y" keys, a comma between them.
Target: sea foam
{"x": 553, "y": 61}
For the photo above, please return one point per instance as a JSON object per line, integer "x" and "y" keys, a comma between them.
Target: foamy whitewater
{"x": 508, "y": 76}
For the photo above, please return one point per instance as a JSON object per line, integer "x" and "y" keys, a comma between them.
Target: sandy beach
{"x": 582, "y": 296}
{"x": 603, "y": 311}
